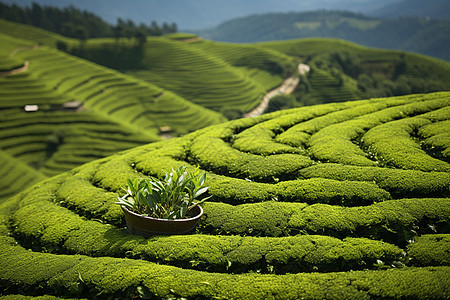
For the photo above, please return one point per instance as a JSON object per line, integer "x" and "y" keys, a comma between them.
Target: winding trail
{"x": 24, "y": 48}
{"x": 16, "y": 70}
{"x": 286, "y": 88}
{"x": 25, "y": 64}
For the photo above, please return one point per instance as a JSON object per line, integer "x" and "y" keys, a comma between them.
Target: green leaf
{"x": 202, "y": 179}
{"x": 183, "y": 209}
{"x": 144, "y": 292}
{"x": 150, "y": 202}
{"x": 169, "y": 198}
{"x": 201, "y": 191}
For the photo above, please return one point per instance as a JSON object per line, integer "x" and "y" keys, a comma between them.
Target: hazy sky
{"x": 200, "y": 14}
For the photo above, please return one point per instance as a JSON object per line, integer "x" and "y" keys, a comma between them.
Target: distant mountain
{"x": 433, "y": 9}
{"x": 429, "y": 37}
{"x": 200, "y": 14}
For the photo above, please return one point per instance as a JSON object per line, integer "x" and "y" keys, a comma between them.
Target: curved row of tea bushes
{"x": 339, "y": 143}
{"x": 60, "y": 231}
{"x": 437, "y": 137}
{"x": 386, "y": 111}
{"x": 218, "y": 156}
{"x": 380, "y": 220}
{"x": 235, "y": 190}
{"x": 297, "y": 227}
{"x": 259, "y": 138}
{"x": 79, "y": 275}
{"x": 393, "y": 144}
{"x": 315, "y": 190}
{"x": 395, "y": 221}
{"x": 430, "y": 249}
{"x": 399, "y": 183}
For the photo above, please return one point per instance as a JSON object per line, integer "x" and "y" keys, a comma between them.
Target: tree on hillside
{"x": 155, "y": 29}
{"x": 37, "y": 14}
{"x": 60, "y": 45}
{"x": 141, "y": 37}
{"x": 82, "y": 34}
{"x": 350, "y": 63}
{"x": 130, "y": 29}
{"x": 67, "y": 29}
{"x": 66, "y": 21}
{"x": 118, "y": 32}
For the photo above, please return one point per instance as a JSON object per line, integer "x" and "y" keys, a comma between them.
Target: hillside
{"x": 429, "y": 37}
{"x": 92, "y": 111}
{"x": 212, "y": 77}
{"x": 338, "y": 201}
{"x": 343, "y": 71}
{"x": 58, "y": 111}
{"x": 434, "y": 9}
{"x": 169, "y": 86}
{"x": 233, "y": 78}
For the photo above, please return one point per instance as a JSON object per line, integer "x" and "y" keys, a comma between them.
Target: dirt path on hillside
{"x": 19, "y": 49}
{"x": 25, "y": 64}
{"x": 16, "y": 70}
{"x": 190, "y": 40}
{"x": 286, "y": 88}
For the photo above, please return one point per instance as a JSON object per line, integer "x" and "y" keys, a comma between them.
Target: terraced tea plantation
{"x": 213, "y": 75}
{"x": 347, "y": 200}
{"x": 343, "y": 71}
{"x": 58, "y": 111}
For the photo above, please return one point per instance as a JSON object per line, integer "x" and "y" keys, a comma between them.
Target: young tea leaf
{"x": 200, "y": 191}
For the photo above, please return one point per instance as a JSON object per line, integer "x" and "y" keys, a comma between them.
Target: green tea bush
{"x": 430, "y": 249}
{"x": 399, "y": 183}
{"x": 299, "y": 216}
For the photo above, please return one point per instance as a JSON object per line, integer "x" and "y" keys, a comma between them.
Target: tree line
{"x": 75, "y": 23}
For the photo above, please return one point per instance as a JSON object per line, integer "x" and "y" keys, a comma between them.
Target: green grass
{"x": 288, "y": 220}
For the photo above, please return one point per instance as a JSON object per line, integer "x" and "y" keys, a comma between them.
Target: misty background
{"x": 203, "y": 14}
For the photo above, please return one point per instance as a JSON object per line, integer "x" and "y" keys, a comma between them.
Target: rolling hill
{"x": 337, "y": 201}
{"x": 59, "y": 111}
{"x": 434, "y": 9}
{"x": 223, "y": 76}
{"x": 342, "y": 71}
{"x": 425, "y": 36}
{"x": 213, "y": 77}
{"x": 348, "y": 199}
